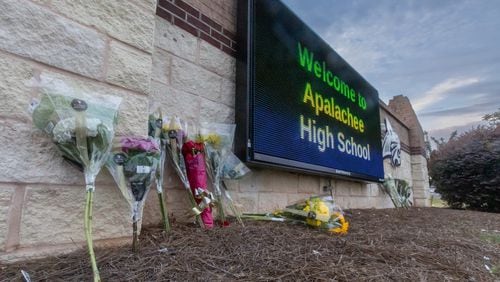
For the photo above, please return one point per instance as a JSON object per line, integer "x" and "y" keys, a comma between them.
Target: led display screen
{"x": 301, "y": 105}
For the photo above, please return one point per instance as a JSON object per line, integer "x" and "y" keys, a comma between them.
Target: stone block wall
{"x": 95, "y": 46}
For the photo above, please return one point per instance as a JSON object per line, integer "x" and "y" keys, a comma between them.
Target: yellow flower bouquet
{"x": 318, "y": 212}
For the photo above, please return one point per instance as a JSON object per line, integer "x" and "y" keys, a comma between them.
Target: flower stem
{"x": 134, "y": 235}
{"x": 88, "y": 233}
{"x": 166, "y": 223}
{"x": 221, "y": 213}
{"x": 236, "y": 213}
{"x": 263, "y": 217}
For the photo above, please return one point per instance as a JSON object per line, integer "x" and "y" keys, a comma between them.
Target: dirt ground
{"x": 419, "y": 244}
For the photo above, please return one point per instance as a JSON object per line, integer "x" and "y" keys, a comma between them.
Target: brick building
{"x": 180, "y": 55}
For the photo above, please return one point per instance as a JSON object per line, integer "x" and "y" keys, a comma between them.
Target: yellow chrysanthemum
{"x": 173, "y": 124}
{"x": 213, "y": 139}
{"x": 317, "y": 206}
{"x": 344, "y": 225}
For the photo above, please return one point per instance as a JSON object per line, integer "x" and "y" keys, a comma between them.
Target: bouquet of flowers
{"x": 194, "y": 158}
{"x": 176, "y": 131}
{"x": 155, "y": 131}
{"x": 318, "y": 212}
{"x": 133, "y": 164}
{"x": 218, "y": 141}
{"x": 398, "y": 190}
{"x": 81, "y": 125}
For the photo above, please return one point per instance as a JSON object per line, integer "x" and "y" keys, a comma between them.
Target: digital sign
{"x": 299, "y": 105}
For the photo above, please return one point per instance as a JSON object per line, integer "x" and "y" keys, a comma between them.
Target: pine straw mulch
{"x": 426, "y": 244}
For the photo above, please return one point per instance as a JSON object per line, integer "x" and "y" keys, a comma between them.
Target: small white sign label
{"x": 143, "y": 169}
{"x": 49, "y": 127}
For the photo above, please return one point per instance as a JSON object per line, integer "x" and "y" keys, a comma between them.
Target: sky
{"x": 444, "y": 55}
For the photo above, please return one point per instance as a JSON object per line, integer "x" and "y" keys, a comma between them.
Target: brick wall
{"x": 211, "y": 21}
{"x": 401, "y": 106}
{"x": 222, "y": 12}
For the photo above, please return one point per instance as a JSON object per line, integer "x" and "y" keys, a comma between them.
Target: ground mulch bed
{"x": 419, "y": 244}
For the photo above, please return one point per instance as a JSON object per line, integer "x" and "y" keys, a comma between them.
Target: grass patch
{"x": 496, "y": 270}
{"x": 438, "y": 203}
{"x": 491, "y": 238}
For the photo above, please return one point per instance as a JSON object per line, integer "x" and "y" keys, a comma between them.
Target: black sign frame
{"x": 245, "y": 99}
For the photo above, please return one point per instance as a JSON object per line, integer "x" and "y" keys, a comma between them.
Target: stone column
{"x": 401, "y": 106}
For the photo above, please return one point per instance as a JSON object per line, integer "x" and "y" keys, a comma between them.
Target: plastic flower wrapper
{"x": 322, "y": 212}
{"x": 398, "y": 190}
{"x": 234, "y": 168}
{"x": 176, "y": 131}
{"x": 133, "y": 164}
{"x": 218, "y": 140}
{"x": 318, "y": 212}
{"x": 155, "y": 125}
{"x": 194, "y": 158}
{"x": 81, "y": 125}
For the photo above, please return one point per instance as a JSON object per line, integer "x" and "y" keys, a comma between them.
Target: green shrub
{"x": 466, "y": 169}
